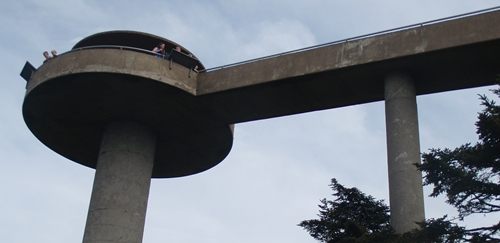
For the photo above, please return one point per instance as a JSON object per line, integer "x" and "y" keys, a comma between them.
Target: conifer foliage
{"x": 469, "y": 177}
{"x": 352, "y": 215}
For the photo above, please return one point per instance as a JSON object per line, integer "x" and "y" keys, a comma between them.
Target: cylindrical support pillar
{"x": 403, "y": 152}
{"x": 117, "y": 210}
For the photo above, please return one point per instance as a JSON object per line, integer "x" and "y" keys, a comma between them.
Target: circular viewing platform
{"x": 113, "y": 76}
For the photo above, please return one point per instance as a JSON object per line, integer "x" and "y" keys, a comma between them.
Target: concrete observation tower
{"x": 110, "y": 104}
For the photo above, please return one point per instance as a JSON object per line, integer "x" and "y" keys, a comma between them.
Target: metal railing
{"x": 355, "y": 38}
{"x": 113, "y": 47}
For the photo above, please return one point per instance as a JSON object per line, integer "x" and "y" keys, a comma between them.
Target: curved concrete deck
{"x": 71, "y": 98}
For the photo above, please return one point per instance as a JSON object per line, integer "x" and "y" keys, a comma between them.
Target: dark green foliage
{"x": 438, "y": 230}
{"x": 354, "y": 217}
{"x": 469, "y": 175}
{"x": 351, "y": 217}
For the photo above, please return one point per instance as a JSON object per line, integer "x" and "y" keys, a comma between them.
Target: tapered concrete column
{"x": 117, "y": 210}
{"x": 403, "y": 151}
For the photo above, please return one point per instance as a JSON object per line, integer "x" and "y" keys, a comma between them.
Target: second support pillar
{"x": 403, "y": 151}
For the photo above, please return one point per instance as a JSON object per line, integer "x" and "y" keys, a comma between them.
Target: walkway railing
{"x": 356, "y": 38}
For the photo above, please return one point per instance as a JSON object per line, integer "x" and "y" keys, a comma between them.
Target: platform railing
{"x": 181, "y": 58}
{"x": 113, "y": 47}
{"x": 357, "y": 38}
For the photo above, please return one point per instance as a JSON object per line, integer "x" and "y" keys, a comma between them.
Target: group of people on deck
{"x": 48, "y": 56}
{"x": 161, "y": 53}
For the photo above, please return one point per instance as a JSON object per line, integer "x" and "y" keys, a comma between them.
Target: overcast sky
{"x": 278, "y": 169}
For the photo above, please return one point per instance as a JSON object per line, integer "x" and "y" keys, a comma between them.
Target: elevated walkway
{"x": 448, "y": 55}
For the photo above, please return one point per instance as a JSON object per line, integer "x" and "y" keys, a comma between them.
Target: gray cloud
{"x": 278, "y": 168}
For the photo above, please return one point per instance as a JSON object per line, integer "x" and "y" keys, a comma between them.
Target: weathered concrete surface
{"x": 403, "y": 151}
{"x": 456, "y": 54}
{"x": 117, "y": 210}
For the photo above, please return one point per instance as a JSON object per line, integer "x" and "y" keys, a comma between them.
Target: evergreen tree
{"x": 351, "y": 217}
{"x": 469, "y": 175}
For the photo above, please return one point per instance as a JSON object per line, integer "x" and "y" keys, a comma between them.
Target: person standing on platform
{"x": 160, "y": 50}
